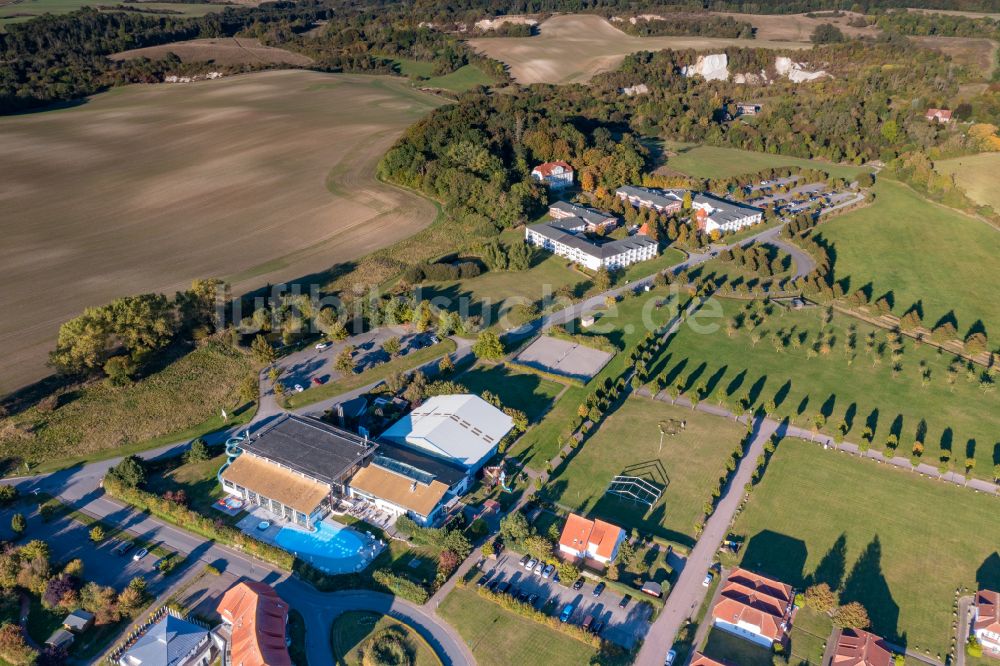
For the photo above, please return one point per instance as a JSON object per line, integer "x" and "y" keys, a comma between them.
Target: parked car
{"x": 319, "y": 381}
{"x": 320, "y": 346}
{"x": 624, "y": 602}
{"x": 298, "y": 388}
{"x": 498, "y": 546}
{"x": 523, "y": 595}
{"x": 547, "y": 571}
{"x": 503, "y": 587}
{"x": 599, "y": 588}
{"x": 597, "y": 627}
{"x": 539, "y": 567}
{"x": 566, "y": 613}
{"x": 485, "y": 578}
{"x": 708, "y": 579}
{"x": 530, "y": 566}
{"x": 578, "y": 584}
{"x": 139, "y": 554}
{"x": 525, "y": 560}
{"x": 587, "y": 622}
{"x": 493, "y": 584}
{"x": 532, "y": 599}
{"x": 122, "y": 548}
{"x": 670, "y": 658}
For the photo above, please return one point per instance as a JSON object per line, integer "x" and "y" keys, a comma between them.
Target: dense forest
{"x": 476, "y": 156}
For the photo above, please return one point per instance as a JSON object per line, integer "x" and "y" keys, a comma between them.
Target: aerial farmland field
{"x": 17, "y": 11}
{"x": 256, "y": 178}
{"x": 575, "y": 47}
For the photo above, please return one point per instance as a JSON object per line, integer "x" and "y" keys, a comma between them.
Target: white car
{"x": 708, "y": 579}
{"x": 298, "y": 388}
{"x": 670, "y": 658}
{"x": 139, "y": 554}
{"x": 530, "y": 566}
{"x": 320, "y": 346}
{"x": 540, "y": 567}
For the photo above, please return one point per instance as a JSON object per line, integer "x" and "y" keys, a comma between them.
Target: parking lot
{"x": 619, "y": 625}
{"x": 809, "y": 196}
{"x": 69, "y": 540}
{"x": 311, "y": 366}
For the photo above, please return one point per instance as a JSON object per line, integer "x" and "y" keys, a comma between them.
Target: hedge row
{"x": 193, "y": 521}
{"x": 401, "y": 587}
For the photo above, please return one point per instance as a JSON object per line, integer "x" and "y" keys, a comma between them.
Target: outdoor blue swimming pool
{"x": 332, "y": 548}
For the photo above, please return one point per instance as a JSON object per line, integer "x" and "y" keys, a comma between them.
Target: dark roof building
{"x": 292, "y": 466}
{"x": 591, "y": 218}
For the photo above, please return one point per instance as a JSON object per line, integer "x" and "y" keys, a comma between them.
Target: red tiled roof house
{"x": 856, "y": 647}
{"x": 593, "y": 540}
{"x": 938, "y": 115}
{"x": 755, "y": 608}
{"x": 986, "y": 622}
{"x": 256, "y": 617}
{"x": 557, "y": 174}
{"x": 698, "y": 659}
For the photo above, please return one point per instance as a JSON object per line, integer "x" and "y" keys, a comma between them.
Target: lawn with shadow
{"x": 898, "y": 543}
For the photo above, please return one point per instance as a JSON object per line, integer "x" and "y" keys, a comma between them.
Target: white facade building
{"x": 562, "y": 237}
{"x": 556, "y": 175}
{"x": 712, "y": 213}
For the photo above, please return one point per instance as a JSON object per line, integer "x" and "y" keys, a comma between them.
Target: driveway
{"x": 622, "y": 626}
{"x": 688, "y": 592}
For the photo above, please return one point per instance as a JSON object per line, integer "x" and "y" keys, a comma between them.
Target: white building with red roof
{"x": 938, "y": 115}
{"x": 753, "y": 607}
{"x": 593, "y": 540}
{"x": 557, "y": 174}
{"x": 986, "y": 621}
{"x": 856, "y": 647}
{"x": 698, "y": 659}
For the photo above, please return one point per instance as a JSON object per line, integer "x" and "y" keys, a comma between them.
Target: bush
{"x": 7, "y": 494}
{"x": 401, "y": 587}
{"x": 193, "y": 521}
{"x": 387, "y": 648}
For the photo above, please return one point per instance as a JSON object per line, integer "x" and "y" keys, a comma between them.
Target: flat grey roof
{"x": 725, "y": 210}
{"x": 436, "y": 467}
{"x": 311, "y": 447}
{"x": 657, "y": 197}
{"x": 589, "y": 215}
{"x": 599, "y": 250}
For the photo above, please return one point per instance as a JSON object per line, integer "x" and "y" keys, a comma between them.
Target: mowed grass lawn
{"x": 499, "y": 638}
{"x": 26, "y": 10}
{"x": 521, "y": 390}
{"x": 960, "y": 417}
{"x": 462, "y": 79}
{"x": 976, "y": 175}
{"x": 352, "y": 630}
{"x": 919, "y": 251}
{"x": 628, "y": 442}
{"x": 897, "y": 542}
{"x": 714, "y": 162}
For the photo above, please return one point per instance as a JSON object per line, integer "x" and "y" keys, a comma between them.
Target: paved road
{"x": 688, "y": 592}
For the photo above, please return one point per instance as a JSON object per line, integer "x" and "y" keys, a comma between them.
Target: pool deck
{"x": 370, "y": 549}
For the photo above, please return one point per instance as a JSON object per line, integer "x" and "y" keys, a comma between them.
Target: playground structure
{"x": 642, "y": 483}
{"x": 497, "y": 476}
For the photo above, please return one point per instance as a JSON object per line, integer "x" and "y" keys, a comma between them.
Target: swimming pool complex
{"x": 332, "y": 548}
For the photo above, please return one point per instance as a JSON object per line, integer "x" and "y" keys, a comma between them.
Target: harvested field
{"x": 574, "y": 47}
{"x": 957, "y": 12}
{"x": 976, "y": 175}
{"x": 257, "y": 178}
{"x": 978, "y": 55}
{"x": 797, "y": 27}
{"x": 222, "y": 51}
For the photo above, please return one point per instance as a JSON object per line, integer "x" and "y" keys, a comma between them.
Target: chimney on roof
{"x": 413, "y": 487}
